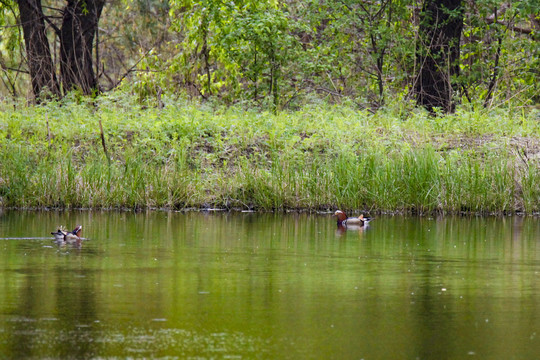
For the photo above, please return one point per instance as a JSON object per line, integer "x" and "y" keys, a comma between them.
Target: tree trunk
{"x": 437, "y": 53}
{"x": 79, "y": 26}
{"x": 38, "y": 52}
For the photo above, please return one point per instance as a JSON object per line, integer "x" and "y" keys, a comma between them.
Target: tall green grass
{"x": 187, "y": 155}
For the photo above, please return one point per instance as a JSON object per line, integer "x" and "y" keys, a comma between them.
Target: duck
{"x": 343, "y": 220}
{"x": 68, "y": 236}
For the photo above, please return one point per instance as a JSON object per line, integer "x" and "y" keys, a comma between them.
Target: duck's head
{"x": 340, "y": 216}
{"x": 77, "y": 231}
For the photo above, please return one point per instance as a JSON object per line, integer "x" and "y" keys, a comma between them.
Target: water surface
{"x": 266, "y": 286}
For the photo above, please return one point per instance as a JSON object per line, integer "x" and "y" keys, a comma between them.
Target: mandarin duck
{"x": 343, "y": 220}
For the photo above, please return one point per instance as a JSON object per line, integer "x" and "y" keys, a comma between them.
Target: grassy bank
{"x": 322, "y": 157}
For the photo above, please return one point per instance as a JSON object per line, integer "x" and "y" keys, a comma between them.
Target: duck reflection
{"x": 341, "y": 230}
{"x": 77, "y": 244}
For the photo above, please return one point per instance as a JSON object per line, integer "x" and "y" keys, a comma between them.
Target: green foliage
{"x": 284, "y": 54}
{"x": 10, "y": 49}
{"x": 259, "y": 46}
{"x": 226, "y": 42}
{"x": 496, "y": 53}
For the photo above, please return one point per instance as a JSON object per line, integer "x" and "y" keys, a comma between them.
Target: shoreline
{"x": 285, "y": 211}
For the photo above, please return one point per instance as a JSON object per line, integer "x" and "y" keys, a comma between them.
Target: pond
{"x": 268, "y": 286}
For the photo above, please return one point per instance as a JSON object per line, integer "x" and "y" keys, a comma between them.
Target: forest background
{"x": 274, "y": 53}
{"x": 372, "y": 87}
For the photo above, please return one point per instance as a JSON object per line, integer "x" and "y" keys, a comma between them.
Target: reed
{"x": 186, "y": 156}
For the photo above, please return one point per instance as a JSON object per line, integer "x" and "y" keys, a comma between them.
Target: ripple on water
{"x": 139, "y": 342}
{"x": 184, "y": 343}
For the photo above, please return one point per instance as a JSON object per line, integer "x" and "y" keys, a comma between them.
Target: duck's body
{"x": 343, "y": 220}
{"x": 68, "y": 236}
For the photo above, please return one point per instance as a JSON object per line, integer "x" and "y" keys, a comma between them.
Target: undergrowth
{"x": 322, "y": 157}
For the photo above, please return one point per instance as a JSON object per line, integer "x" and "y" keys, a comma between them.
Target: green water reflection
{"x": 221, "y": 286}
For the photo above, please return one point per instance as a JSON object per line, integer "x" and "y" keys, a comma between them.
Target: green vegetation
{"x": 187, "y": 155}
{"x": 275, "y": 55}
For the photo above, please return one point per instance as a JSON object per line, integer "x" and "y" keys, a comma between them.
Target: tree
{"x": 259, "y": 45}
{"x": 79, "y": 26}
{"x": 233, "y": 46}
{"x": 437, "y": 53}
{"x": 500, "y": 52}
{"x": 76, "y": 33}
{"x": 38, "y": 53}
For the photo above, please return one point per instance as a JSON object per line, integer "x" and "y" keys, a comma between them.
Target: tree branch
{"x": 131, "y": 69}
{"x": 516, "y": 28}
